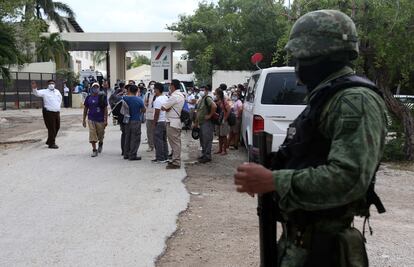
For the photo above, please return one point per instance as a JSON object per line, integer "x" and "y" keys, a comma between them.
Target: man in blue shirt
{"x": 133, "y": 128}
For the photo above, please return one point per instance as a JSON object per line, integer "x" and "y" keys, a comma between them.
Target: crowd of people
{"x": 210, "y": 113}
{"x": 131, "y": 106}
{"x": 217, "y": 113}
{"x": 322, "y": 176}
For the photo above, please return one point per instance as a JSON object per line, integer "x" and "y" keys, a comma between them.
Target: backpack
{"x": 185, "y": 114}
{"x": 116, "y": 112}
{"x": 216, "y": 118}
{"x": 232, "y": 118}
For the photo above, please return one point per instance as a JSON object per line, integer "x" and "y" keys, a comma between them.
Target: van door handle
{"x": 277, "y": 117}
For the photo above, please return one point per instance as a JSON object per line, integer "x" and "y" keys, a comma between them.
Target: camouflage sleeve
{"x": 355, "y": 122}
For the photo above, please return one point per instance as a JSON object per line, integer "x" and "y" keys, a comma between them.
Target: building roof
{"x": 75, "y": 24}
{"x": 131, "y": 41}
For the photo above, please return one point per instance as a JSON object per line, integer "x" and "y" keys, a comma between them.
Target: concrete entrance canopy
{"x": 161, "y": 45}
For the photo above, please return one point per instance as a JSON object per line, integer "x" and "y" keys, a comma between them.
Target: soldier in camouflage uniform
{"x": 324, "y": 169}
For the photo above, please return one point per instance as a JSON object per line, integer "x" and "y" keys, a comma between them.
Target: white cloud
{"x": 130, "y": 15}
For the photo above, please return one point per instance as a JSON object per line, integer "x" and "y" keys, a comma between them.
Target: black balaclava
{"x": 313, "y": 72}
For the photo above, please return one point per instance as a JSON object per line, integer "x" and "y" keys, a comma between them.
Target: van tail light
{"x": 258, "y": 124}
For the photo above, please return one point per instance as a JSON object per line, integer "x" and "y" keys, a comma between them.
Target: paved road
{"x": 64, "y": 208}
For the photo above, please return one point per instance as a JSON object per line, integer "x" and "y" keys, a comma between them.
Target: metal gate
{"x": 18, "y": 93}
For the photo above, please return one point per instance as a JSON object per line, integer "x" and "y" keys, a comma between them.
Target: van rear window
{"x": 283, "y": 89}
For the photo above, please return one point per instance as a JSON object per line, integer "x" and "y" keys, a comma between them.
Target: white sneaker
{"x": 158, "y": 161}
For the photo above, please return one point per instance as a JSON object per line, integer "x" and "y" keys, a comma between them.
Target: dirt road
{"x": 220, "y": 226}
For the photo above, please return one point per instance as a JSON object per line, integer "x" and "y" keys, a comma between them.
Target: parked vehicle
{"x": 407, "y": 100}
{"x": 166, "y": 87}
{"x": 94, "y": 73}
{"x": 274, "y": 99}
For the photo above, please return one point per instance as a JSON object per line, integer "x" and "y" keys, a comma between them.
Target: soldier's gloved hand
{"x": 253, "y": 178}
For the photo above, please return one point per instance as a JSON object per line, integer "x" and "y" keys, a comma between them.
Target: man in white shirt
{"x": 52, "y": 100}
{"x": 149, "y": 115}
{"x": 65, "y": 95}
{"x": 173, "y": 108}
{"x": 160, "y": 125}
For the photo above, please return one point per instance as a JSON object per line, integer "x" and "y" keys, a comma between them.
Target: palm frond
{"x": 9, "y": 52}
{"x": 53, "y": 10}
{"x": 60, "y": 22}
{"x": 99, "y": 57}
{"x": 64, "y": 8}
{"x": 53, "y": 48}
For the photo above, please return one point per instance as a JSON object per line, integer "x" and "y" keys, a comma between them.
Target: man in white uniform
{"x": 52, "y": 101}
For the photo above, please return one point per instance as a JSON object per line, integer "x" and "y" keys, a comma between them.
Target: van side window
{"x": 251, "y": 88}
{"x": 283, "y": 89}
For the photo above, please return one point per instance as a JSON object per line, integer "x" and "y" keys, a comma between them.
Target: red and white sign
{"x": 161, "y": 62}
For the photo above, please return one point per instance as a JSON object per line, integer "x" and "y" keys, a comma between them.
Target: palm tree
{"x": 9, "y": 52}
{"x": 53, "y": 48}
{"x": 51, "y": 10}
{"x": 139, "y": 60}
{"x": 98, "y": 57}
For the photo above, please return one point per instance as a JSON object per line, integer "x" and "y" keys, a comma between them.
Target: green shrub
{"x": 394, "y": 150}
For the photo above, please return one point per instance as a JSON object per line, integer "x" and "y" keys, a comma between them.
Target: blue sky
{"x": 129, "y": 15}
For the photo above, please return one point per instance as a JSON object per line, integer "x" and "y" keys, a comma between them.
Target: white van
{"x": 273, "y": 100}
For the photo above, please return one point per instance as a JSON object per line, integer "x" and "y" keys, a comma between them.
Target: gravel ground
{"x": 392, "y": 243}
{"x": 220, "y": 226}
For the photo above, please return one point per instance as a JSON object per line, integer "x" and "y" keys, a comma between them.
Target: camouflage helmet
{"x": 323, "y": 33}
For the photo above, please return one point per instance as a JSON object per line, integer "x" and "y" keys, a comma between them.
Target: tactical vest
{"x": 305, "y": 146}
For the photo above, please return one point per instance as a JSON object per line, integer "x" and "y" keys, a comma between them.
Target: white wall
{"x": 41, "y": 67}
{"x": 82, "y": 60}
{"x": 230, "y": 77}
{"x": 142, "y": 72}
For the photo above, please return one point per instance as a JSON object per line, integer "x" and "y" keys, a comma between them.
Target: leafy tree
{"x": 9, "y": 52}
{"x": 27, "y": 18}
{"x": 53, "y": 48}
{"x": 225, "y": 35}
{"x": 48, "y": 9}
{"x": 139, "y": 60}
{"x": 385, "y": 31}
{"x": 98, "y": 57}
{"x": 69, "y": 76}
{"x": 11, "y": 9}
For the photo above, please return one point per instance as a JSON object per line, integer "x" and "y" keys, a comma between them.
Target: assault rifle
{"x": 267, "y": 206}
